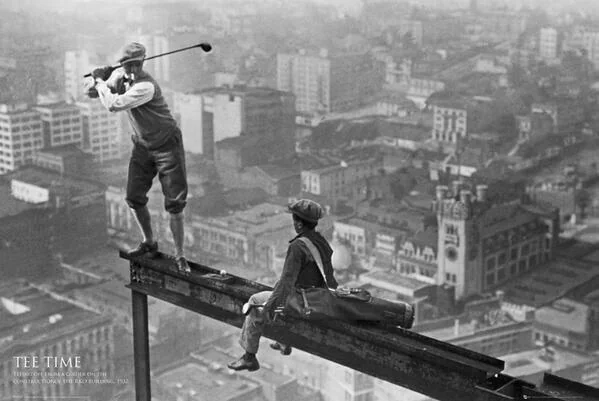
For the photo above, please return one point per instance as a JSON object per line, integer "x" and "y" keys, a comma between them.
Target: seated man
{"x": 300, "y": 270}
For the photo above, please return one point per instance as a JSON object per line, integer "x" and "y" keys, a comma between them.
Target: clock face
{"x": 451, "y": 253}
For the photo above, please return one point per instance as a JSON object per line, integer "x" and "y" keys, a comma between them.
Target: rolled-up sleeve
{"x": 136, "y": 95}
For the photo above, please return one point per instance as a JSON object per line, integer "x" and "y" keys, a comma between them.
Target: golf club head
{"x": 206, "y": 47}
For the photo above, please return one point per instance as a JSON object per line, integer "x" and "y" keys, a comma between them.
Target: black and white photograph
{"x": 299, "y": 200}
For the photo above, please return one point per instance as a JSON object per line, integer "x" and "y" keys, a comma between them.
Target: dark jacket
{"x": 300, "y": 269}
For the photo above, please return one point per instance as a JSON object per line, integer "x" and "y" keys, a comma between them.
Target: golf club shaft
{"x": 204, "y": 46}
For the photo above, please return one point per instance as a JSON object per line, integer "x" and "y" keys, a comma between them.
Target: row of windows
{"x": 516, "y": 253}
{"x": 450, "y": 278}
{"x": 427, "y": 257}
{"x": 559, "y": 340}
{"x": 18, "y": 128}
{"x": 503, "y": 273}
{"x": 408, "y": 268}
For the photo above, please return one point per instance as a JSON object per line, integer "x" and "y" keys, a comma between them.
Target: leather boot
{"x": 246, "y": 362}
{"x": 144, "y": 249}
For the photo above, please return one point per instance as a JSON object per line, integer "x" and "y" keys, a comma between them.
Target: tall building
{"x": 76, "y": 64}
{"x": 590, "y": 41}
{"x": 20, "y": 135}
{"x": 101, "y": 131}
{"x": 262, "y": 120}
{"x": 61, "y": 124}
{"x": 324, "y": 83}
{"x": 197, "y": 124}
{"x": 549, "y": 44}
{"x": 482, "y": 245}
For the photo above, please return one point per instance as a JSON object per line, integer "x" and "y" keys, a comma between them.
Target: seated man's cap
{"x": 306, "y": 209}
{"x": 132, "y": 52}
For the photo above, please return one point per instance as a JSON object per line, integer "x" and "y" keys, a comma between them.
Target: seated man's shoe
{"x": 285, "y": 349}
{"x": 182, "y": 265}
{"x": 144, "y": 249}
{"x": 246, "y": 362}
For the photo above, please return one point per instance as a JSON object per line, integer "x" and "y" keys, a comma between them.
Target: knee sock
{"x": 177, "y": 229}
{"x": 142, "y": 217}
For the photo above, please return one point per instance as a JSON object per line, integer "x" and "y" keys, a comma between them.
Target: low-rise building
{"x": 37, "y": 324}
{"x": 530, "y": 365}
{"x": 190, "y": 378}
{"x": 76, "y": 206}
{"x": 417, "y": 256}
{"x": 66, "y": 159}
{"x": 21, "y": 135}
{"x": 339, "y": 181}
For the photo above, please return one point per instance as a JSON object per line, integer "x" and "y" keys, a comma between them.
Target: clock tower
{"x": 459, "y": 261}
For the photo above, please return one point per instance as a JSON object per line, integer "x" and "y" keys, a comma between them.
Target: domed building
{"x": 342, "y": 257}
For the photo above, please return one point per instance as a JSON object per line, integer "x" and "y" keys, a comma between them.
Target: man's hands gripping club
{"x": 113, "y": 76}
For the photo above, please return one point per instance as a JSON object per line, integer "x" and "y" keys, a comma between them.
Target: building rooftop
{"x": 275, "y": 172}
{"x": 9, "y": 205}
{"x": 217, "y": 357}
{"x": 63, "y": 150}
{"x": 532, "y": 362}
{"x": 243, "y": 90}
{"x": 29, "y": 316}
{"x": 47, "y": 178}
{"x": 546, "y": 283}
{"x": 193, "y": 380}
{"x": 565, "y": 313}
{"x": 57, "y": 106}
{"x": 425, "y": 238}
{"x": 261, "y": 219}
{"x": 393, "y": 279}
{"x": 374, "y": 227}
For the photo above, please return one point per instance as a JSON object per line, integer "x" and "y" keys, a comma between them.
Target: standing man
{"x": 157, "y": 146}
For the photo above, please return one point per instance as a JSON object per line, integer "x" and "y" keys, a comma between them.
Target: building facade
{"x": 216, "y": 114}
{"x": 417, "y": 257}
{"x": 31, "y": 316}
{"x": 76, "y": 64}
{"x": 481, "y": 245}
{"x": 21, "y": 135}
{"x": 101, "y": 132}
{"x": 324, "y": 83}
{"x": 340, "y": 180}
{"x": 61, "y": 124}
{"x": 450, "y": 123}
{"x": 549, "y": 45}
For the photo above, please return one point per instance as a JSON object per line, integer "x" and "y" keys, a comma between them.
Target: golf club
{"x": 206, "y": 47}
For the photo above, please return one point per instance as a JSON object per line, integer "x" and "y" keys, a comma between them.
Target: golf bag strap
{"x": 315, "y": 255}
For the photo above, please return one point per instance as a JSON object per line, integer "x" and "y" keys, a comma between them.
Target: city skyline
{"x": 452, "y": 146}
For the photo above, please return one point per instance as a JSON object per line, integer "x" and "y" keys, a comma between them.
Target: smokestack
{"x": 481, "y": 193}
{"x": 441, "y": 192}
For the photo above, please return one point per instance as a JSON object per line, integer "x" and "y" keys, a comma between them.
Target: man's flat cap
{"x": 306, "y": 209}
{"x": 132, "y": 52}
